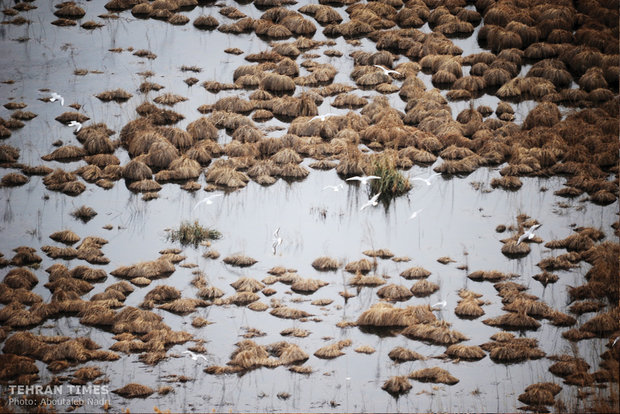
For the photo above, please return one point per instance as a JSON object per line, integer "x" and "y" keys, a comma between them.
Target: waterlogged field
{"x": 298, "y": 294}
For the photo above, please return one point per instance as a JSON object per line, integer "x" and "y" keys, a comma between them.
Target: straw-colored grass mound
{"x": 397, "y": 385}
{"x": 134, "y": 390}
{"x": 435, "y": 374}
{"x": 325, "y": 264}
{"x": 400, "y": 354}
{"x": 239, "y": 260}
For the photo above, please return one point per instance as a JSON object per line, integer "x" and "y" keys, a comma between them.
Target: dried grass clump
{"x": 363, "y": 266}
{"x": 469, "y": 308}
{"x": 20, "y": 277}
{"x": 465, "y": 352}
{"x": 386, "y": 315}
{"x": 394, "y": 292}
{"x": 117, "y": 95}
{"x": 546, "y": 114}
{"x": 160, "y": 294}
{"x": 183, "y": 306}
{"x": 435, "y": 375}
{"x": 206, "y": 22}
{"x": 307, "y": 285}
{"x": 490, "y": 276}
{"x": 400, "y": 354}
{"x": 134, "y": 390}
{"x": 514, "y": 320}
{"x": 333, "y": 350}
{"x": 247, "y": 284}
{"x": 397, "y": 385}
{"x": 239, "y": 260}
{"x": 226, "y": 176}
{"x": 154, "y": 269}
{"x": 289, "y": 313}
{"x": 437, "y": 332}
{"x": 366, "y": 280}
{"x": 13, "y": 180}
{"x": 325, "y": 264}
{"x": 65, "y": 154}
{"x": 423, "y": 288}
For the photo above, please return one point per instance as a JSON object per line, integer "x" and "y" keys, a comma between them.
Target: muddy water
{"x": 457, "y": 220}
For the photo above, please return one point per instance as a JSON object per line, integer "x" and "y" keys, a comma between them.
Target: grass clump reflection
{"x": 192, "y": 233}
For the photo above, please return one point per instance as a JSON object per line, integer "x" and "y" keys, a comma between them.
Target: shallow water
{"x": 457, "y": 221}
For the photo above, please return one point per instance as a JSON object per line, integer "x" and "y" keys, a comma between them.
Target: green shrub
{"x": 192, "y": 233}
{"x": 392, "y": 183}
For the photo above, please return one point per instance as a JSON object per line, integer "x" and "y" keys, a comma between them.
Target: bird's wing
{"x": 204, "y": 200}
{"x": 373, "y": 177}
{"x": 433, "y": 175}
{"x": 364, "y": 206}
{"x": 214, "y": 196}
{"x": 535, "y": 226}
{"x": 354, "y": 178}
{"x": 375, "y": 197}
{"x": 203, "y": 357}
{"x": 329, "y": 186}
{"x": 523, "y": 236}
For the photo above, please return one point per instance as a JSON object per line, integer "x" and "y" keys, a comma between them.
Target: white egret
{"x": 529, "y": 234}
{"x": 415, "y": 214}
{"x": 323, "y": 117}
{"x": 195, "y": 356}
{"x": 76, "y": 124}
{"x": 388, "y": 71}
{"x": 363, "y": 180}
{"x": 277, "y": 240}
{"x": 56, "y": 97}
{"x": 333, "y": 187}
{"x": 207, "y": 200}
{"x": 372, "y": 202}
{"x": 440, "y": 305}
{"x": 427, "y": 181}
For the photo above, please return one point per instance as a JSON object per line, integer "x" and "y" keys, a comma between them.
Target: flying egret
{"x": 76, "y": 124}
{"x": 372, "y": 202}
{"x": 57, "y": 97}
{"x": 529, "y": 234}
{"x": 207, "y": 200}
{"x": 323, "y": 117}
{"x": 333, "y": 187}
{"x": 441, "y": 305}
{"x": 363, "y": 180}
{"x": 277, "y": 240}
{"x": 415, "y": 214}
{"x": 388, "y": 71}
{"x": 426, "y": 180}
{"x": 195, "y": 356}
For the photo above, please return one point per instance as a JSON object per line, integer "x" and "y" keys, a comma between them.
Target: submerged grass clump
{"x": 192, "y": 233}
{"x": 392, "y": 182}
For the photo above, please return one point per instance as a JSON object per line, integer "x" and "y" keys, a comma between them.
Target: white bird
{"x": 388, "y": 71}
{"x": 207, "y": 200}
{"x": 426, "y": 180}
{"x": 323, "y": 117}
{"x": 415, "y": 214}
{"x": 333, "y": 187}
{"x": 277, "y": 240}
{"x": 372, "y": 202}
{"x": 529, "y": 234}
{"x": 56, "y": 97}
{"x": 441, "y": 304}
{"x": 195, "y": 356}
{"x": 76, "y": 124}
{"x": 364, "y": 180}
